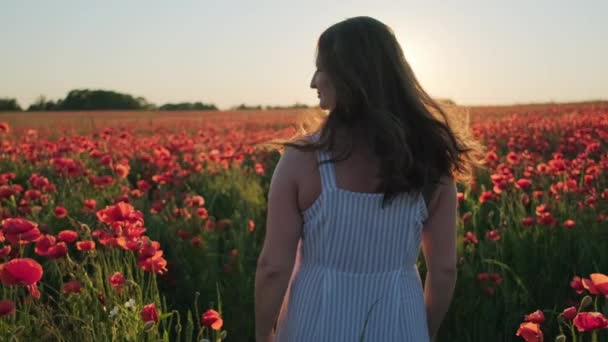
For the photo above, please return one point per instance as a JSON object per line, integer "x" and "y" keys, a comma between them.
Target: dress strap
{"x": 326, "y": 170}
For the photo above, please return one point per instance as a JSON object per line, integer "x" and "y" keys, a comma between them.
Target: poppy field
{"x": 146, "y": 226}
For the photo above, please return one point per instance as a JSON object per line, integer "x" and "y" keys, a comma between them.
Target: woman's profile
{"x": 352, "y": 203}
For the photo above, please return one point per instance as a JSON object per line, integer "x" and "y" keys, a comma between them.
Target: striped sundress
{"x": 357, "y": 278}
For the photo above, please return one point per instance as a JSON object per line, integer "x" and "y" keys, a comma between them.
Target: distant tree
{"x": 85, "y": 99}
{"x": 246, "y": 107}
{"x": 297, "y": 105}
{"x": 9, "y": 105}
{"x": 144, "y": 104}
{"x": 188, "y": 106}
{"x": 42, "y": 104}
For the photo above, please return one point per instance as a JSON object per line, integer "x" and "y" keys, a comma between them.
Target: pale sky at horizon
{"x": 262, "y": 52}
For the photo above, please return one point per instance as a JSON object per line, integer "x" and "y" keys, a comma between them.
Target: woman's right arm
{"x": 439, "y": 248}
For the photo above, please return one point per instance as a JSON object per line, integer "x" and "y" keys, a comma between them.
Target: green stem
{"x": 595, "y": 303}
{"x": 572, "y": 332}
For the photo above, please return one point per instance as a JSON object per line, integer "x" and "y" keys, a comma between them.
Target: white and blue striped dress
{"x": 358, "y": 279}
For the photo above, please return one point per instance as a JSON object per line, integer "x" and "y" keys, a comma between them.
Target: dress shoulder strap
{"x": 326, "y": 170}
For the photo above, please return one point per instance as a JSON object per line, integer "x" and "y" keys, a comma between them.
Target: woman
{"x": 358, "y": 198}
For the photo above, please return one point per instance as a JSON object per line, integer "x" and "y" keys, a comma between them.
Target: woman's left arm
{"x": 283, "y": 231}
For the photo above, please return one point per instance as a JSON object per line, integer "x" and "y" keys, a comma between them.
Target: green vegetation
{"x": 9, "y": 105}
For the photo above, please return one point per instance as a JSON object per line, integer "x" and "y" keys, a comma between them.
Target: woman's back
{"x": 358, "y": 265}
{"x": 358, "y": 258}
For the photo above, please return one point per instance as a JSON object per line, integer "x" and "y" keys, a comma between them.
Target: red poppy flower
{"x": 538, "y": 194}
{"x": 491, "y": 157}
{"x": 6, "y": 192}
{"x": 85, "y": 246}
{"x": 157, "y": 207}
{"x": 143, "y": 185}
{"x": 120, "y": 212}
{"x": 202, "y": 213}
{"x": 530, "y": 332}
{"x": 68, "y": 236}
{"x": 149, "y": 248}
{"x": 196, "y": 241}
{"x": 57, "y": 251}
{"x": 496, "y": 278}
{"x": 156, "y": 263}
{"x": 209, "y": 224}
{"x": 184, "y": 234}
{"x": 513, "y": 158}
{"x": 577, "y": 284}
{"x": 39, "y": 182}
{"x": 90, "y": 205}
{"x": 122, "y": 170}
{"x": 73, "y": 286}
{"x": 117, "y": 279}
{"x": 67, "y": 166}
{"x": 493, "y": 235}
{"x": 7, "y": 176}
{"x": 134, "y": 245}
{"x": 212, "y": 319}
{"x": 460, "y": 197}
{"x": 104, "y": 237}
{"x": 486, "y": 196}
{"x": 7, "y": 307}
{"x": 5, "y": 251}
{"x": 136, "y": 193}
{"x": 600, "y": 283}
{"x": 523, "y": 184}
{"x": 528, "y": 221}
{"x": 101, "y": 181}
{"x": 259, "y": 168}
{"x": 4, "y": 127}
{"x": 60, "y": 212}
{"x": 469, "y": 237}
{"x": 547, "y": 219}
{"x": 569, "y": 224}
{"x": 32, "y": 195}
{"x": 589, "y": 286}
{"x": 588, "y": 321}
{"x": 149, "y": 313}
{"x": 197, "y": 201}
{"x": 493, "y": 277}
{"x": 483, "y": 276}
{"x": 543, "y": 208}
{"x": 20, "y": 231}
{"x": 569, "y": 313}
{"x": 43, "y": 244}
{"x": 22, "y": 271}
{"x": 106, "y": 160}
{"x": 500, "y": 183}
{"x": 535, "y": 317}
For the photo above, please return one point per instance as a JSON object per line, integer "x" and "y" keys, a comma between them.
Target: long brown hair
{"x": 380, "y": 102}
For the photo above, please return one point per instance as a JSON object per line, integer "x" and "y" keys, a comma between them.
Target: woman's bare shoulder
{"x": 446, "y": 187}
{"x": 299, "y": 162}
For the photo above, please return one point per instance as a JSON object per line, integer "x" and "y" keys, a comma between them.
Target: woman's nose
{"x": 312, "y": 83}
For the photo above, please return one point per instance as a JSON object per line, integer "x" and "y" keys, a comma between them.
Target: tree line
{"x": 86, "y": 99}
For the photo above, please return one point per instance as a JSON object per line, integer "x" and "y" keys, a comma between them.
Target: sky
{"x": 230, "y": 52}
